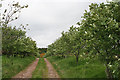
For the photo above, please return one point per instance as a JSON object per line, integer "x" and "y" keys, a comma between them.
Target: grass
{"x": 41, "y": 70}
{"x": 13, "y": 65}
{"x": 67, "y": 67}
{"x": 0, "y": 67}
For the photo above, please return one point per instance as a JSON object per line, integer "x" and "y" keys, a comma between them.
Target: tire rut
{"x": 51, "y": 71}
{"x": 27, "y": 73}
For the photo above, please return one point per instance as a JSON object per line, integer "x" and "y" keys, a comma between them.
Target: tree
{"x": 15, "y": 42}
{"x": 116, "y": 0}
{"x": 98, "y": 35}
{"x": 12, "y": 13}
{"x": 103, "y": 28}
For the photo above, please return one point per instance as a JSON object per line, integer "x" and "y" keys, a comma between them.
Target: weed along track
{"x": 51, "y": 71}
{"x": 27, "y": 73}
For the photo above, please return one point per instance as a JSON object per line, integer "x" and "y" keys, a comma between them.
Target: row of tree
{"x": 98, "y": 34}
{"x": 42, "y": 50}
{"x": 14, "y": 39}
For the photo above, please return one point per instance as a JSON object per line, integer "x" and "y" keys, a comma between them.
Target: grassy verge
{"x": 13, "y": 65}
{"x": 0, "y": 67}
{"x": 41, "y": 70}
{"x": 67, "y": 68}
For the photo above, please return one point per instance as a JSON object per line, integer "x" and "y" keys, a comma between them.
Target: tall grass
{"x": 13, "y": 65}
{"x": 0, "y": 67}
{"x": 68, "y": 68}
{"x": 41, "y": 70}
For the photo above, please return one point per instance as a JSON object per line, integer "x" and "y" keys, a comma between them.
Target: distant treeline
{"x": 42, "y": 50}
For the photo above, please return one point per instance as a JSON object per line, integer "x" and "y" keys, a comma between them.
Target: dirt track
{"x": 51, "y": 71}
{"x": 27, "y": 73}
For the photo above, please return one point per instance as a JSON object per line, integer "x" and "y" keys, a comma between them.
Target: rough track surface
{"x": 27, "y": 73}
{"x": 51, "y": 71}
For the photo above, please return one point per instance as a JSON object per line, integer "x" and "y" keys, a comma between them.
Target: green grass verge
{"x": 13, "y": 65}
{"x": 41, "y": 70}
{"x": 0, "y": 67}
{"x": 67, "y": 67}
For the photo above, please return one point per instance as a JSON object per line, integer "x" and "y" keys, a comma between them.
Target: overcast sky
{"x": 48, "y": 18}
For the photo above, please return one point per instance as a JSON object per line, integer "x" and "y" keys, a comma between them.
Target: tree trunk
{"x": 77, "y": 59}
{"x": 108, "y": 73}
{"x": 63, "y": 56}
{"x": 119, "y": 71}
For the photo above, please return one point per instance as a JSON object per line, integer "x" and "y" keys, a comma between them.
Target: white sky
{"x": 48, "y": 18}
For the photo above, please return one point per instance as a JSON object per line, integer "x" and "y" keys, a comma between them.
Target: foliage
{"x": 14, "y": 40}
{"x": 42, "y": 55}
{"x": 116, "y": 0}
{"x": 42, "y": 50}
{"x": 97, "y": 35}
{"x": 12, "y": 13}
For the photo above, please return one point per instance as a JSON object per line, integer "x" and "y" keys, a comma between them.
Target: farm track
{"x": 51, "y": 71}
{"x": 27, "y": 73}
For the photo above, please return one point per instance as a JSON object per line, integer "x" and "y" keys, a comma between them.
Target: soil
{"x": 51, "y": 71}
{"x": 27, "y": 73}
